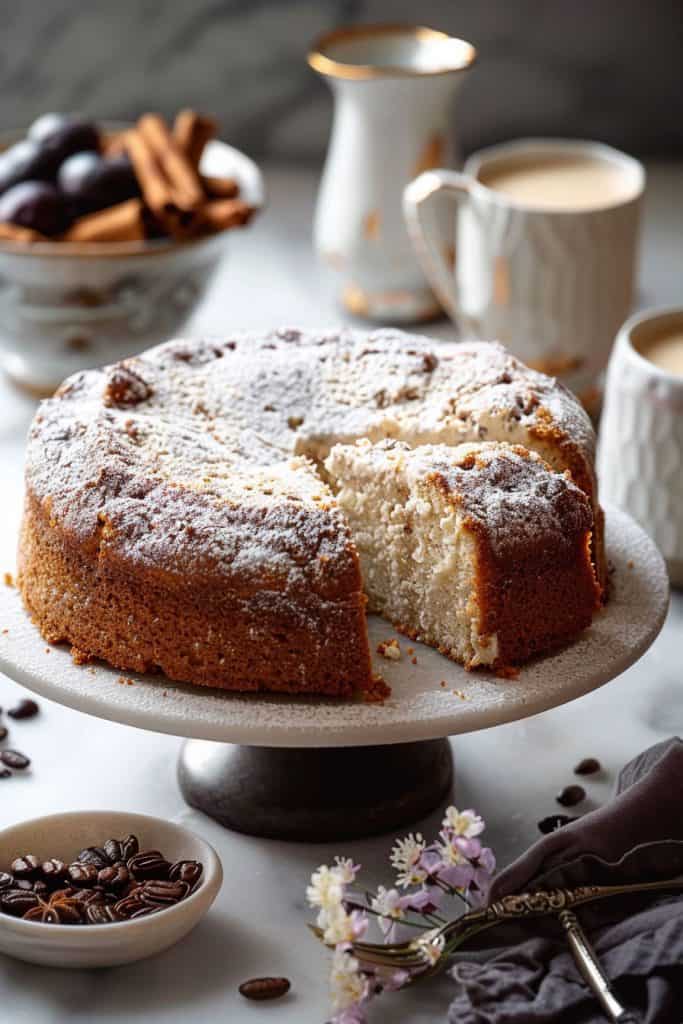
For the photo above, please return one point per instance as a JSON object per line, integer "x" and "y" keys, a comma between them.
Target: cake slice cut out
{"x": 480, "y": 550}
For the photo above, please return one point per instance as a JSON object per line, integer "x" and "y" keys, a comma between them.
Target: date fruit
{"x": 37, "y": 205}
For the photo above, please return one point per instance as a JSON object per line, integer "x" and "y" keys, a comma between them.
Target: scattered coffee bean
{"x": 23, "y": 883}
{"x": 3, "y": 733}
{"x": 17, "y": 901}
{"x": 6, "y": 880}
{"x": 149, "y": 864}
{"x": 27, "y": 866}
{"x": 264, "y": 988}
{"x": 83, "y": 875}
{"x": 571, "y": 796}
{"x": 553, "y": 822}
{"x": 189, "y": 871}
{"x": 13, "y": 759}
{"x": 24, "y": 709}
{"x": 5, "y": 773}
{"x": 589, "y": 766}
{"x": 94, "y": 855}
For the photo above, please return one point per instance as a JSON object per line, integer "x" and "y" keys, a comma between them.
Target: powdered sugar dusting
{"x": 196, "y": 453}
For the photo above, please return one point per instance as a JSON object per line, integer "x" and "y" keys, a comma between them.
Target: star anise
{"x": 59, "y": 908}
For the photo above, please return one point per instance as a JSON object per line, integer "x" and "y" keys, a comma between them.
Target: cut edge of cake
{"x": 480, "y": 550}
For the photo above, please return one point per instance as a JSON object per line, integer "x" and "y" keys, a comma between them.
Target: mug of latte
{"x": 543, "y": 252}
{"x": 640, "y": 458}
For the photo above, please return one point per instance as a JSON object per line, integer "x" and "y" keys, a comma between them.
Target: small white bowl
{"x": 105, "y": 945}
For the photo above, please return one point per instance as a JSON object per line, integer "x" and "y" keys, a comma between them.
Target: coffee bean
{"x": 94, "y": 855}
{"x": 17, "y": 901}
{"x": 87, "y": 896}
{"x": 589, "y": 766}
{"x": 144, "y": 911}
{"x": 5, "y": 773}
{"x": 101, "y": 913}
{"x": 5, "y": 880}
{"x": 24, "y": 709}
{"x": 54, "y": 870}
{"x": 129, "y": 847}
{"x": 149, "y": 864}
{"x": 27, "y": 866}
{"x": 126, "y": 907}
{"x": 83, "y": 875}
{"x": 160, "y": 892}
{"x": 3, "y": 733}
{"x": 114, "y": 851}
{"x": 571, "y": 796}
{"x": 23, "y": 883}
{"x": 13, "y": 759}
{"x": 115, "y": 877}
{"x": 264, "y": 988}
{"x": 189, "y": 871}
{"x": 553, "y": 822}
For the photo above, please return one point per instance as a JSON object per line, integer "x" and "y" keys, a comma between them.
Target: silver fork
{"x": 429, "y": 951}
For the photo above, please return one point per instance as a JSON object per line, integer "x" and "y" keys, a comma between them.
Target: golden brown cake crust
{"x": 533, "y": 528}
{"x": 174, "y": 520}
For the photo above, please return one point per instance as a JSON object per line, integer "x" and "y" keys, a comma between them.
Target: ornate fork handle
{"x": 442, "y": 941}
{"x": 591, "y": 971}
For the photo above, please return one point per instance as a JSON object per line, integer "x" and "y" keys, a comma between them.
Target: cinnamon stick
{"x": 191, "y": 132}
{"x": 121, "y": 223}
{"x": 181, "y": 175}
{"x": 220, "y": 188}
{"x": 219, "y": 214}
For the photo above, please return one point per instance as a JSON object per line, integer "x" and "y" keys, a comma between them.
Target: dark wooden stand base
{"x": 314, "y": 794}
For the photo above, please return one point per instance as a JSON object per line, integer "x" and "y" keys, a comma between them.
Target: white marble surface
{"x": 510, "y": 773}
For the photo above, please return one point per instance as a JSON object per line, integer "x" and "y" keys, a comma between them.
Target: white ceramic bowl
{"x": 66, "y": 306}
{"x": 105, "y": 945}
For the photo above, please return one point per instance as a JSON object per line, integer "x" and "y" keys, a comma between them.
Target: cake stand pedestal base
{"x": 315, "y": 794}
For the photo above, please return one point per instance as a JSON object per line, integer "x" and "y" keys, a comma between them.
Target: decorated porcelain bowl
{"x": 105, "y": 945}
{"x": 65, "y": 306}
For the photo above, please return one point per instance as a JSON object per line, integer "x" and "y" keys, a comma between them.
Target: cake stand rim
{"x": 276, "y": 734}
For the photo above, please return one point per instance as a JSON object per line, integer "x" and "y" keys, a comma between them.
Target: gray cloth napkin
{"x": 523, "y": 973}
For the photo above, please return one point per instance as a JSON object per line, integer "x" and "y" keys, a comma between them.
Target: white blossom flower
{"x": 345, "y": 870}
{"x": 390, "y": 906}
{"x": 463, "y": 823}
{"x": 347, "y": 985}
{"x": 343, "y": 927}
{"x": 326, "y": 889}
{"x": 405, "y": 858}
{"x": 450, "y": 852}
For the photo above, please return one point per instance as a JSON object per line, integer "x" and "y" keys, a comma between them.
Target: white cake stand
{"x": 281, "y": 766}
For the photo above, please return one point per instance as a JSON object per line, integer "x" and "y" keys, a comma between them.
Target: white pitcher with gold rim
{"x": 393, "y": 87}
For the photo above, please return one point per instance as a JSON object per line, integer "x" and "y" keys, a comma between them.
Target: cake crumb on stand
{"x": 390, "y": 649}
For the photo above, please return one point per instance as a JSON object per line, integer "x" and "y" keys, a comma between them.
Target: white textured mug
{"x": 640, "y": 458}
{"x": 552, "y": 282}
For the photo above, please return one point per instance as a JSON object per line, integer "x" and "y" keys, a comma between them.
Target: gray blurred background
{"x": 607, "y": 69}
